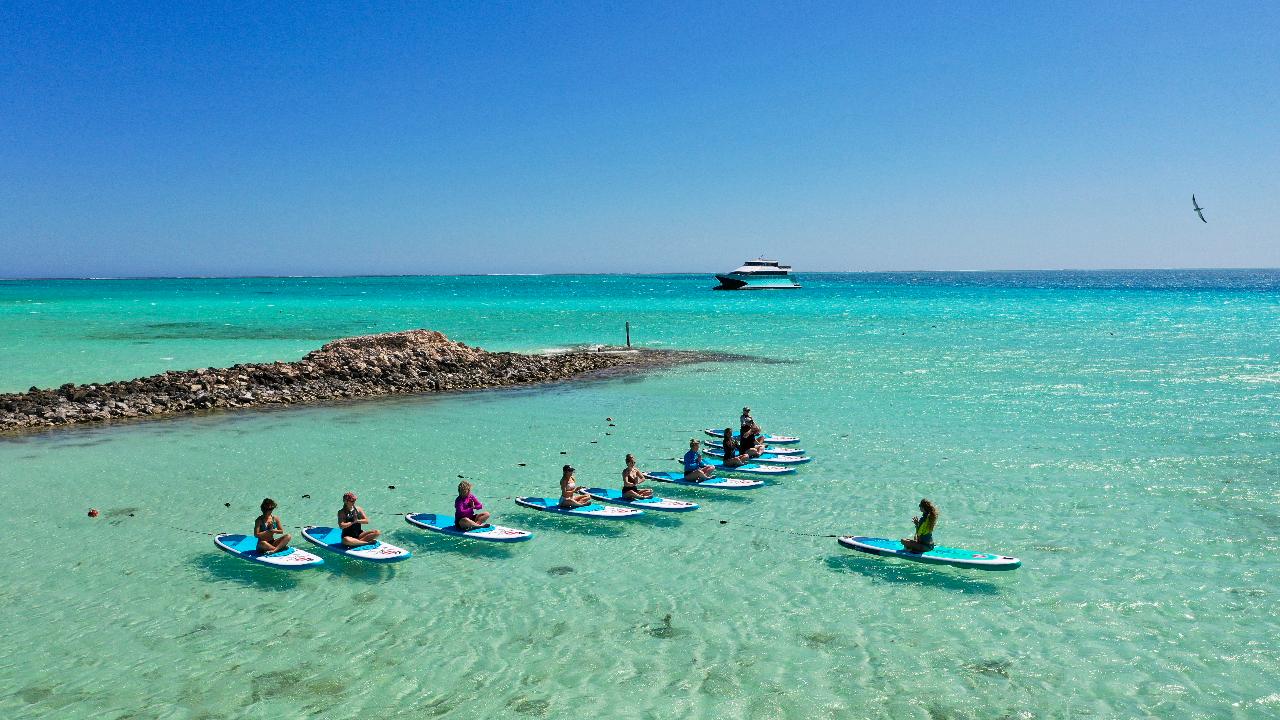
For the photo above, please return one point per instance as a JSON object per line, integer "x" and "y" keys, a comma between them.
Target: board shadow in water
{"x": 218, "y": 566}
{"x": 426, "y": 542}
{"x": 550, "y": 522}
{"x": 356, "y": 569}
{"x": 905, "y": 572}
{"x": 656, "y": 518}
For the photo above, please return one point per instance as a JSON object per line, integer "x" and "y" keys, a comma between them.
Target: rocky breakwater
{"x": 416, "y": 361}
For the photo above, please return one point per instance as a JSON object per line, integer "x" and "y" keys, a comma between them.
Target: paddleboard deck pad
{"x": 610, "y": 495}
{"x": 765, "y": 459}
{"x": 444, "y": 524}
{"x": 768, "y": 439}
{"x": 939, "y": 555}
{"x": 715, "y": 483}
{"x": 594, "y": 510}
{"x": 246, "y": 548}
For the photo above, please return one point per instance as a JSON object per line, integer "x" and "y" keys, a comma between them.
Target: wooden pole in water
{"x": 628, "y": 333}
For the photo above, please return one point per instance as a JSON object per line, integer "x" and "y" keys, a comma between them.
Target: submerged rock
{"x": 414, "y": 361}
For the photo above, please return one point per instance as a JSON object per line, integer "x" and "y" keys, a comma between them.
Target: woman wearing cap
{"x": 924, "y": 522}
{"x": 745, "y": 420}
{"x": 351, "y": 519}
{"x": 571, "y": 496}
{"x": 267, "y": 527}
{"x": 695, "y": 468}
{"x": 468, "y": 513}
{"x": 631, "y": 479}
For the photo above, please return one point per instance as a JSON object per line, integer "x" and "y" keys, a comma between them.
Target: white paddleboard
{"x": 330, "y": 538}
{"x": 715, "y": 483}
{"x": 443, "y": 524}
{"x": 939, "y": 555}
{"x": 594, "y": 510}
{"x": 768, "y": 439}
{"x": 771, "y": 449}
{"x": 749, "y": 468}
{"x": 765, "y": 459}
{"x": 245, "y": 547}
{"x": 610, "y": 495}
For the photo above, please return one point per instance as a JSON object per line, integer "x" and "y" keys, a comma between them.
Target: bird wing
{"x": 1201, "y": 216}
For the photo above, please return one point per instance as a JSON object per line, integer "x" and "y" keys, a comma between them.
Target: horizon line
{"x": 630, "y": 274}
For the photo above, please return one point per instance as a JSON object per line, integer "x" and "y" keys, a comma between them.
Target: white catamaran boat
{"x": 759, "y": 274}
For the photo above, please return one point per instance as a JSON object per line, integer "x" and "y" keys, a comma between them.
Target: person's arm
{"x": 344, "y": 524}
{"x": 360, "y": 516}
{"x": 261, "y": 531}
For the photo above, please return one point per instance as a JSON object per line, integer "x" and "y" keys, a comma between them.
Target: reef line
{"x": 398, "y": 363}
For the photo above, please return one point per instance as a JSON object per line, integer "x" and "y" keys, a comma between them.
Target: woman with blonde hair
{"x": 467, "y": 510}
{"x": 924, "y": 522}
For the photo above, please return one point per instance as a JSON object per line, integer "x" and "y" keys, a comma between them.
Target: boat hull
{"x": 739, "y": 282}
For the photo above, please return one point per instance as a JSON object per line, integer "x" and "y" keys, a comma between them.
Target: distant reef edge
{"x": 368, "y": 366}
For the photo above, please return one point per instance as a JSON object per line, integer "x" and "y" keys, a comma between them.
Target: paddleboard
{"x": 939, "y": 555}
{"x": 594, "y": 510}
{"x": 330, "y": 538}
{"x": 765, "y": 459}
{"x": 610, "y": 495}
{"x": 768, "y": 439}
{"x": 715, "y": 483}
{"x": 773, "y": 449}
{"x": 749, "y": 468}
{"x": 444, "y": 524}
{"x": 246, "y": 548}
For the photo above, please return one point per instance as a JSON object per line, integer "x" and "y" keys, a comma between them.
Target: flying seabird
{"x": 1196, "y": 206}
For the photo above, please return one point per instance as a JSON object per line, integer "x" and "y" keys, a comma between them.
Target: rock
{"x": 366, "y": 366}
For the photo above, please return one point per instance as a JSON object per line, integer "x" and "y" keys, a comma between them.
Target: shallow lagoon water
{"x": 1117, "y": 431}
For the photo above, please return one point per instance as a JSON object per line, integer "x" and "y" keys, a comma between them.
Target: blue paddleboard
{"x": 939, "y": 555}
{"x": 764, "y": 459}
{"x": 594, "y": 510}
{"x": 768, "y": 439}
{"x": 715, "y": 483}
{"x": 610, "y": 495}
{"x": 772, "y": 449}
{"x": 444, "y": 524}
{"x": 246, "y": 548}
{"x": 749, "y": 468}
{"x": 330, "y": 538}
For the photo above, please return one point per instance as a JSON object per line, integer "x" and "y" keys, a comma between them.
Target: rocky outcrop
{"x": 415, "y": 361}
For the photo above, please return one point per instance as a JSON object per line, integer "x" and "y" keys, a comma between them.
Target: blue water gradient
{"x": 1117, "y": 431}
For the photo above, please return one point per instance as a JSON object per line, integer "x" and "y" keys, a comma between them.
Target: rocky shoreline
{"x": 415, "y": 361}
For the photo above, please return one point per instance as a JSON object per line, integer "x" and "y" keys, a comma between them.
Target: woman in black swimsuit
{"x": 732, "y": 456}
{"x": 631, "y": 479}
{"x": 351, "y": 519}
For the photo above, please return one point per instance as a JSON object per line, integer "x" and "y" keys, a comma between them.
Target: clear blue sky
{"x": 176, "y": 138}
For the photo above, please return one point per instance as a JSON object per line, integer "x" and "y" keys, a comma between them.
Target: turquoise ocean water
{"x": 1118, "y": 431}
